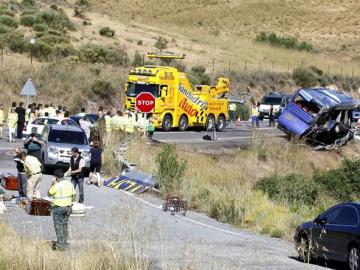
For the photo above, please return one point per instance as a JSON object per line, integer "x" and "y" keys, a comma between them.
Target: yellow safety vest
{"x": 62, "y": 193}
{"x": 130, "y": 125}
{"x": 254, "y": 112}
{"x": 122, "y": 122}
{"x": 32, "y": 165}
{"x": 108, "y": 123}
{"x": 12, "y": 120}
{"x": 2, "y": 116}
{"x": 115, "y": 122}
{"x": 27, "y": 113}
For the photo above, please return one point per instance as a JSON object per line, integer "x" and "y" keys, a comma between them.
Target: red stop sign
{"x": 145, "y": 102}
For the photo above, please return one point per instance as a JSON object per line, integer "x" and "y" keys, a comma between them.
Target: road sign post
{"x": 145, "y": 102}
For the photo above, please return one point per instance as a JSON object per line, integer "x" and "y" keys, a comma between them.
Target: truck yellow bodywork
{"x": 177, "y": 104}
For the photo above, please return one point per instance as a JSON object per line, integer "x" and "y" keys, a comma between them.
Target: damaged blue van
{"x": 320, "y": 116}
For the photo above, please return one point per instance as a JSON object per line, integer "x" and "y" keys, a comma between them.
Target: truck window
{"x": 134, "y": 89}
{"x": 271, "y": 100}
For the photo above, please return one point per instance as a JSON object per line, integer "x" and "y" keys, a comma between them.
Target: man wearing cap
{"x": 63, "y": 195}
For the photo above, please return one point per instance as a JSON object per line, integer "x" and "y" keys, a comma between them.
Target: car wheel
{"x": 210, "y": 122}
{"x": 183, "y": 123}
{"x": 167, "y": 123}
{"x": 303, "y": 249}
{"x": 354, "y": 258}
{"x": 220, "y": 123}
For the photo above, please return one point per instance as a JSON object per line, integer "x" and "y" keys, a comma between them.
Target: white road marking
{"x": 185, "y": 218}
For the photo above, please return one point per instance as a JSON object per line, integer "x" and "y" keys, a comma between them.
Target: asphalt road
{"x": 169, "y": 242}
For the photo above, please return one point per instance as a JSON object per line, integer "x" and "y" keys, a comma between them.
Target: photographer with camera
{"x": 33, "y": 144}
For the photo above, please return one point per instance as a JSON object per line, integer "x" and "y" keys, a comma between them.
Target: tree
{"x": 161, "y": 43}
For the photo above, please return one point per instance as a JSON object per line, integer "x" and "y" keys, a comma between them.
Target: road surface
{"x": 168, "y": 242}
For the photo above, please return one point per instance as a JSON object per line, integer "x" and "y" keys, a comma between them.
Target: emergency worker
{"x": 141, "y": 123}
{"x": 130, "y": 123}
{"x": 27, "y": 113}
{"x": 51, "y": 110}
{"x": 116, "y": 121}
{"x": 33, "y": 171}
{"x": 108, "y": 123}
{"x": 63, "y": 195}
{"x": 82, "y": 112}
{"x": 232, "y": 111}
{"x": 254, "y": 116}
{"x": 2, "y": 120}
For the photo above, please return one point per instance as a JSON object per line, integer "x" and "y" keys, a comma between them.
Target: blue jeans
{"x": 79, "y": 182}
{"x": 22, "y": 184}
{"x": 254, "y": 120}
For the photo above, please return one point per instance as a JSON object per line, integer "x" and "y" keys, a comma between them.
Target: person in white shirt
{"x": 86, "y": 125}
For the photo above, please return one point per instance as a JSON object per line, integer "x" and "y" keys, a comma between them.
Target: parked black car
{"x": 333, "y": 235}
{"x": 92, "y": 117}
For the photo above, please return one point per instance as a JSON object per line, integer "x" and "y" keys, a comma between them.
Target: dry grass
{"x": 21, "y": 252}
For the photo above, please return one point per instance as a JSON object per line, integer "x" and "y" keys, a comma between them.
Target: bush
{"x": 52, "y": 39}
{"x": 63, "y": 50}
{"x": 107, "y": 32}
{"x": 8, "y": 21}
{"x": 140, "y": 42}
{"x": 27, "y": 20}
{"x": 170, "y": 170}
{"x": 40, "y": 27}
{"x": 4, "y": 29}
{"x": 7, "y": 12}
{"x": 85, "y": 3}
{"x": 161, "y": 43}
{"x": 29, "y": 12}
{"x": 138, "y": 60}
{"x": 285, "y": 42}
{"x": 103, "y": 89}
{"x": 305, "y": 77}
{"x": 28, "y": 3}
{"x": 91, "y": 53}
{"x": 343, "y": 183}
{"x": 16, "y": 42}
{"x": 56, "y": 19}
{"x": 198, "y": 76}
{"x": 243, "y": 111}
{"x": 292, "y": 189}
{"x": 41, "y": 50}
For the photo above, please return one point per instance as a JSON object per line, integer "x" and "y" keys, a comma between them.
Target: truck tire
{"x": 210, "y": 122}
{"x": 183, "y": 123}
{"x": 220, "y": 125}
{"x": 167, "y": 123}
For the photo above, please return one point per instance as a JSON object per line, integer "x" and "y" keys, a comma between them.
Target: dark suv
{"x": 333, "y": 235}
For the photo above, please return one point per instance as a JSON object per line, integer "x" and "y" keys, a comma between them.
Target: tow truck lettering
{"x": 195, "y": 100}
{"x": 188, "y": 108}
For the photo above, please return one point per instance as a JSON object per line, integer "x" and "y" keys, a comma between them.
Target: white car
{"x": 274, "y": 99}
{"x": 40, "y": 123}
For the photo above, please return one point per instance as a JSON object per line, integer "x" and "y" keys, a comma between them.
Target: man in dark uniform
{"x": 22, "y": 178}
{"x": 76, "y": 171}
{"x": 21, "y": 119}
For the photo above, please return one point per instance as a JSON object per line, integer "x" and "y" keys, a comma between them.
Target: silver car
{"x": 59, "y": 139}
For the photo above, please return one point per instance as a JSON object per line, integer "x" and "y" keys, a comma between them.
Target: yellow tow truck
{"x": 177, "y": 103}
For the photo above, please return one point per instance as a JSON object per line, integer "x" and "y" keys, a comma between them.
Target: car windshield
{"x": 44, "y": 121}
{"x": 271, "y": 100}
{"x": 66, "y": 136}
{"x": 134, "y": 89}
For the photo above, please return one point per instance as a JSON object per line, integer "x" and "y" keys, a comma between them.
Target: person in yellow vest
{"x": 12, "y": 123}
{"x": 116, "y": 121}
{"x": 254, "y": 116}
{"x": 62, "y": 195}
{"x": 108, "y": 123}
{"x": 141, "y": 123}
{"x": 2, "y": 120}
{"x": 130, "y": 123}
{"x": 232, "y": 112}
{"x": 33, "y": 171}
{"x": 27, "y": 113}
{"x": 122, "y": 121}
{"x": 51, "y": 110}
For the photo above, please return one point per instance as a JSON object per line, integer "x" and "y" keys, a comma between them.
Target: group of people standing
{"x": 255, "y": 115}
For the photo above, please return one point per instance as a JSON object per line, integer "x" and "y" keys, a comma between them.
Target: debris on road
{"x": 175, "y": 204}
{"x": 320, "y": 116}
{"x": 38, "y": 207}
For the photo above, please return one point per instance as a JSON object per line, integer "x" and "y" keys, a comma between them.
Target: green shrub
{"x": 52, "y": 39}
{"x": 7, "y": 12}
{"x": 64, "y": 50}
{"x": 85, "y": 3}
{"x": 8, "y": 21}
{"x": 28, "y": 3}
{"x": 91, "y": 53}
{"x": 16, "y": 42}
{"x": 343, "y": 183}
{"x": 107, "y": 32}
{"x": 292, "y": 189}
{"x": 41, "y": 50}
{"x": 40, "y": 27}
{"x": 198, "y": 76}
{"x": 138, "y": 60}
{"x": 170, "y": 170}
{"x": 243, "y": 111}
{"x": 27, "y": 20}
{"x": 29, "y": 12}
{"x": 103, "y": 89}
{"x": 56, "y": 19}
{"x": 305, "y": 77}
{"x": 4, "y": 29}
{"x": 140, "y": 42}
{"x": 161, "y": 43}
{"x": 281, "y": 41}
